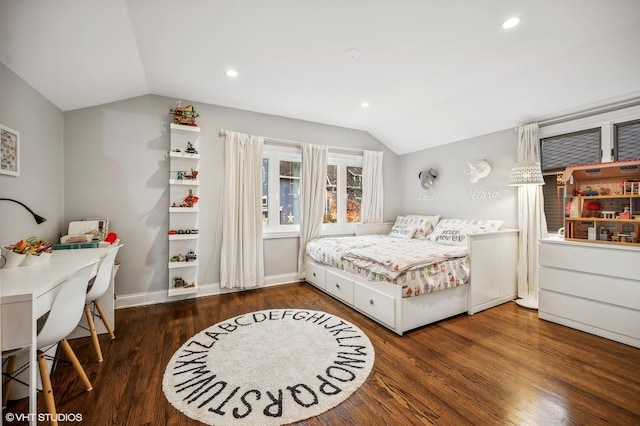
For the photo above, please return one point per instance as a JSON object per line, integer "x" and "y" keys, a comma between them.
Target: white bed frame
{"x": 493, "y": 258}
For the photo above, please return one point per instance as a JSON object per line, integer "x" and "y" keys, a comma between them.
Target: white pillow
{"x": 453, "y": 232}
{"x": 426, "y": 225}
{"x": 403, "y": 231}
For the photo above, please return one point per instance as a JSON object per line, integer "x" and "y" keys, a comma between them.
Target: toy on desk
{"x": 111, "y": 238}
{"x": 32, "y": 246}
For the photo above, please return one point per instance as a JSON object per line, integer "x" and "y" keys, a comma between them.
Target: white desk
{"x": 26, "y": 293}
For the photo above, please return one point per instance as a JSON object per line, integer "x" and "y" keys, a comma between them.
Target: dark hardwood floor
{"x": 500, "y": 366}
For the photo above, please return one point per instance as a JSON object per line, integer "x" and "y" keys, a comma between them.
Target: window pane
{"x": 289, "y": 193}
{"x": 354, "y": 193}
{"x": 558, "y": 152}
{"x": 553, "y": 191}
{"x": 628, "y": 140}
{"x": 331, "y": 202}
{"x": 265, "y": 191}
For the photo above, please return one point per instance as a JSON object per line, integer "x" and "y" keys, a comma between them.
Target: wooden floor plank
{"x": 500, "y": 366}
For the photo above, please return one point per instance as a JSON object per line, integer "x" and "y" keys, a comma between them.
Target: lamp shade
{"x": 526, "y": 172}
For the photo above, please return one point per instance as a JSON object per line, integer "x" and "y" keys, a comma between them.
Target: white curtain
{"x": 532, "y": 222}
{"x": 372, "y": 191}
{"x": 241, "y": 259}
{"x": 312, "y": 196}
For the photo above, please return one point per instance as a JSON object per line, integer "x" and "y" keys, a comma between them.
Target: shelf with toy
{"x": 191, "y": 264}
{"x": 177, "y": 237}
{"x": 186, "y": 182}
{"x": 184, "y": 155}
{"x": 183, "y": 182}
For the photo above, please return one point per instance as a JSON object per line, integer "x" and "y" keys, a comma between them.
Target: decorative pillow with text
{"x": 453, "y": 232}
{"x": 403, "y": 231}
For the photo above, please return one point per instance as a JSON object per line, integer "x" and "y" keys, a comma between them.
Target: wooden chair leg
{"x": 104, "y": 319}
{"x": 76, "y": 364}
{"x": 46, "y": 388}
{"x": 6, "y": 387}
{"x": 94, "y": 334}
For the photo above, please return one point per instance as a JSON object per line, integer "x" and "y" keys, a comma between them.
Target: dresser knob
{"x": 314, "y": 274}
{"x": 371, "y": 301}
{"x": 337, "y": 285}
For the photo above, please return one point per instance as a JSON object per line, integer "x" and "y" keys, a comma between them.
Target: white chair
{"x": 62, "y": 319}
{"x": 96, "y": 291}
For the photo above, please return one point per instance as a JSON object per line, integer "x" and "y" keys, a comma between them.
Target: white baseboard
{"x": 152, "y": 298}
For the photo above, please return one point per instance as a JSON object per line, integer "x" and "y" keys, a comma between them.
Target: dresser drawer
{"x": 375, "y": 304}
{"x": 315, "y": 275}
{"x": 340, "y": 286}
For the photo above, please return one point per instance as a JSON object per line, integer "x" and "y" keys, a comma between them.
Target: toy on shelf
{"x": 190, "y": 200}
{"x": 184, "y": 115}
{"x": 190, "y": 149}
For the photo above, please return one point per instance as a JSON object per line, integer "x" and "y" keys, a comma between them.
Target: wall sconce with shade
{"x": 427, "y": 178}
{"x": 39, "y": 219}
{"x": 526, "y": 172}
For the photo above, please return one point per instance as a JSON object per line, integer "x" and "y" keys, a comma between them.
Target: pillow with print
{"x": 403, "y": 231}
{"x": 426, "y": 225}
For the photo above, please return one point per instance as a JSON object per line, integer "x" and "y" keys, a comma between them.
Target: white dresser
{"x": 591, "y": 287}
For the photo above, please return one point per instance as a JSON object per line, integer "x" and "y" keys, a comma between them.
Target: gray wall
{"x": 111, "y": 161}
{"x": 116, "y": 166}
{"x": 453, "y": 196}
{"x": 40, "y": 184}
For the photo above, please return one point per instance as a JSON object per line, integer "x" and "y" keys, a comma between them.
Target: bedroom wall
{"x": 116, "y": 166}
{"x": 40, "y": 184}
{"x": 453, "y": 195}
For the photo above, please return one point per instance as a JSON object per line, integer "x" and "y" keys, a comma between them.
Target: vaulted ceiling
{"x": 433, "y": 72}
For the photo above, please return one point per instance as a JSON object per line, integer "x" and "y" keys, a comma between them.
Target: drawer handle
{"x": 371, "y": 301}
{"x": 337, "y": 285}
{"x": 314, "y": 274}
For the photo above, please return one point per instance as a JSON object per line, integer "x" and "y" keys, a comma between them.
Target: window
{"x": 281, "y": 190}
{"x": 609, "y": 136}
{"x": 557, "y": 153}
{"x": 627, "y": 140}
{"x": 344, "y": 194}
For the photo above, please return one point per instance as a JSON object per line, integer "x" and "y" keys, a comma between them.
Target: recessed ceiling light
{"x": 365, "y": 104}
{"x": 511, "y": 22}
{"x": 232, "y": 73}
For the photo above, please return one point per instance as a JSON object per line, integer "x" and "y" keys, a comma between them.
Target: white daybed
{"x": 492, "y": 263}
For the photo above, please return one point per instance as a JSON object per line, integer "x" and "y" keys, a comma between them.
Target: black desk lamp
{"x": 39, "y": 219}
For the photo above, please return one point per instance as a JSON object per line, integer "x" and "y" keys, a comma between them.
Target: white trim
{"x": 593, "y": 121}
{"x": 156, "y": 297}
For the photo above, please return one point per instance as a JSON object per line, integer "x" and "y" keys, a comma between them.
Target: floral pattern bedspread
{"x": 419, "y": 266}
{"x": 396, "y": 256}
{"x": 330, "y": 250}
{"x": 428, "y": 279}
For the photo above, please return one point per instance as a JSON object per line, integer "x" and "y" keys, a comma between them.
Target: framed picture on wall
{"x": 9, "y": 151}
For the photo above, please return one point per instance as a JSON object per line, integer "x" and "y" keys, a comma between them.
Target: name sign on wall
{"x": 428, "y": 197}
{"x": 478, "y": 194}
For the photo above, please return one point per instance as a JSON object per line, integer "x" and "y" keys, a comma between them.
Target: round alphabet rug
{"x": 268, "y": 367}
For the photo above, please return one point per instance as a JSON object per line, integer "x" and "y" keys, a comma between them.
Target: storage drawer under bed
{"x": 340, "y": 286}
{"x": 315, "y": 275}
{"x": 376, "y": 304}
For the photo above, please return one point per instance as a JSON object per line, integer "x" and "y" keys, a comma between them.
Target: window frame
{"x": 342, "y": 161}
{"x": 276, "y": 153}
{"x": 617, "y": 126}
{"x": 606, "y": 121}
